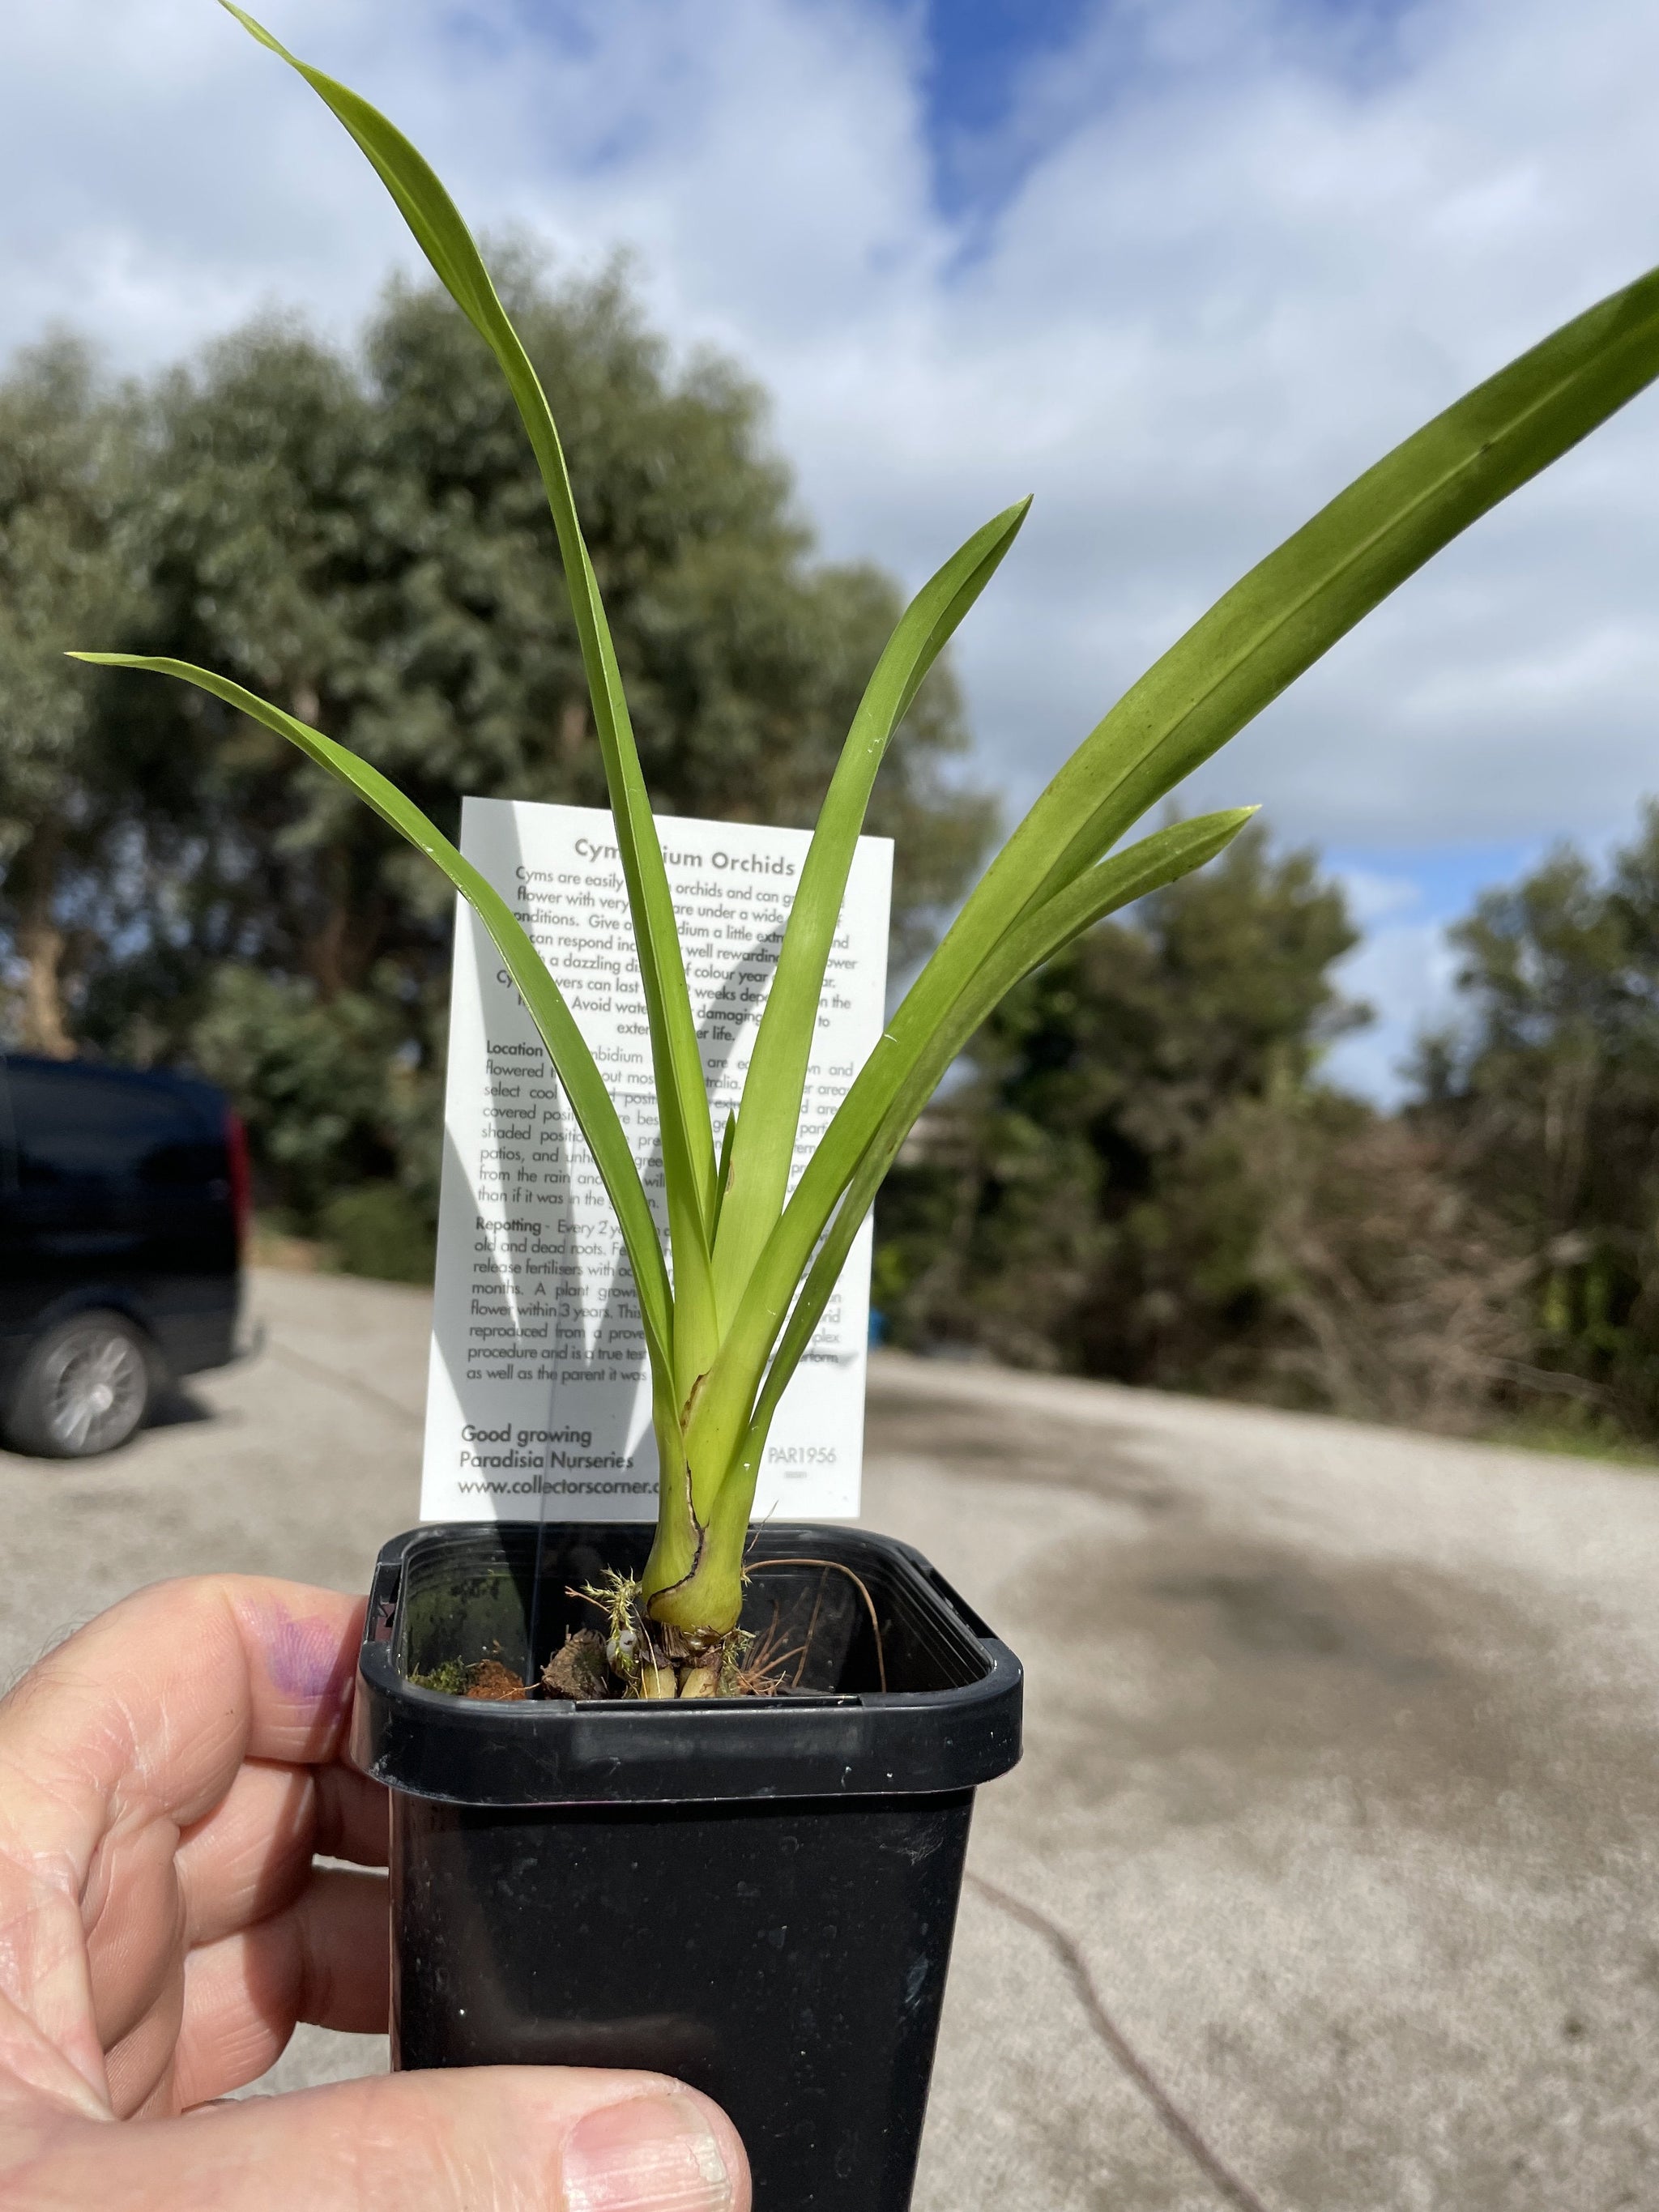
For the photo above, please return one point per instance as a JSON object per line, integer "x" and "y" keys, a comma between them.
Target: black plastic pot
{"x": 755, "y": 1895}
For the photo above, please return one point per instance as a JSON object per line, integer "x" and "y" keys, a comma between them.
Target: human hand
{"x": 166, "y": 1777}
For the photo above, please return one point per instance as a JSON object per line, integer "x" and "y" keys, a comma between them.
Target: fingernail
{"x": 646, "y": 2154}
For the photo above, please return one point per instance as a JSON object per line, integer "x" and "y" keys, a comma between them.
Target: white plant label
{"x": 537, "y": 1402}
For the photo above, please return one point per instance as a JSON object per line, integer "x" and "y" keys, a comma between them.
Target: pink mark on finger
{"x": 307, "y": 1659}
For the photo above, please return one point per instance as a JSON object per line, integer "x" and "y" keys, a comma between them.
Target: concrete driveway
{"x": 1330, "y": 1879}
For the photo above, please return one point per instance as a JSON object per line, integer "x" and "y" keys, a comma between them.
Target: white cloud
{"x": 1374, "y": 898}
{"x": 1242, "y": 259}
{"x": 1404, "y": 969}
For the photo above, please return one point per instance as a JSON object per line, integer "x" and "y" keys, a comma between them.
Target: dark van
{"x": 123, "y": 1204}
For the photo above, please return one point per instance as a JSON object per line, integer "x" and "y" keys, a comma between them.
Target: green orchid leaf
{"x": 773, "y": 1086}
{"x": 723, "y": 1172}
{"x": 573, "y": 1062}
{"x": 1160, "y": 858}
{"x": 1293, "y": 606}
{"x": 687, "y": 1134}
{"x": 862, "y": 1141}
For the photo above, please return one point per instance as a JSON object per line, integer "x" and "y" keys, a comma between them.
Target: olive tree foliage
{"x": 361, "y": 536}
{"x": 1545, "y": 1096}
{"x": 68, "y": 451}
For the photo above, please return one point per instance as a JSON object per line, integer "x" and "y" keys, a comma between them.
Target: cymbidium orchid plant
{"x": 731, "y": 1303}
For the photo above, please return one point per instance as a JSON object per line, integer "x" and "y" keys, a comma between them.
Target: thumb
{"x": 510, "y": 2139}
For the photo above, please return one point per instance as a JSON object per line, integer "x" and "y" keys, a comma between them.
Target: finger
{"x": 146, "y": 1715}
{"x": 326, "y": 1958}
{"x": 146, "y": 1905}
{"x": 252, "y": 1854}
{"x": 521, "y": 2139}
{"x": 139, "y": 2067}
{"x": 134, "y": 1921}
{"x": 165, "y": 1695}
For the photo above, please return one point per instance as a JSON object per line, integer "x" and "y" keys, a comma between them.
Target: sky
{"x": 1181, "y": 268}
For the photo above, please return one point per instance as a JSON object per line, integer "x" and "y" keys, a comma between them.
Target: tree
{"x": 1547, "y": 1094}
{"x": 67, "y": 450}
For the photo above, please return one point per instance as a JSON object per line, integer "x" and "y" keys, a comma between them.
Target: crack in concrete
{"x": 320, "y": 1372}
{"x": 1124, "y": 2055}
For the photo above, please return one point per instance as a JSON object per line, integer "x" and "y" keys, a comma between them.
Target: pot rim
{"x": 556, "y": 1753}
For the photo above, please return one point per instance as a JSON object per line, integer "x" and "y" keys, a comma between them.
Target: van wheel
{"x": 85, "y": 1388}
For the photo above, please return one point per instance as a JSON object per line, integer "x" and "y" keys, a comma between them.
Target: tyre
{"x": 85, "y": 1388}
